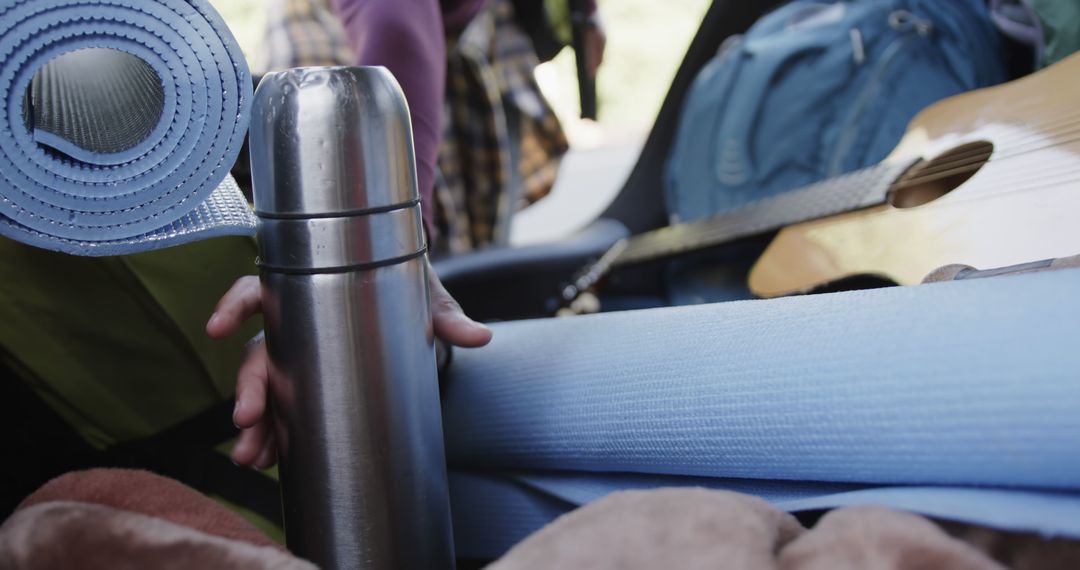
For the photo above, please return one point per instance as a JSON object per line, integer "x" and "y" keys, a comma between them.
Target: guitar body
{"x": 999, "y": 184}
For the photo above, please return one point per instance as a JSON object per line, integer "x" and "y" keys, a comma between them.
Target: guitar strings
{"x": 1003, "y": 152}
{"x": 1015, "y": 145}
{"x": 745, "y": 220}
{"x": 1022, "y": 181}
{"x": 970, "y": 160}
{"x": 1019, "y": 144}
{"x": 1037, "y": 178}
{"x": 1061, "y": 142}
{"x": 744, "y": 225}
{"x": 741, "y": 227}
{"x": 1039, "y": 131}
{"x": 697, "y": 234}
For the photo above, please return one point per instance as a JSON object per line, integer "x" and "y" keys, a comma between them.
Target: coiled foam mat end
{"x": 121, "y": 121}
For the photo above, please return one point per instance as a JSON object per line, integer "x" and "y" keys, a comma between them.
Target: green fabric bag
{"x": 117, "y": 345}
{"x": 116, "y": 348}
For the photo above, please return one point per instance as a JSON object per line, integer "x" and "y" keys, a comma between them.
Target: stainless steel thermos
{"x": 348, "y": 323}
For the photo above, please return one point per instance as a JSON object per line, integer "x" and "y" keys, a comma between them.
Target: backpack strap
{"x": 43, "y": 446}
{"x": 186, "y": 452}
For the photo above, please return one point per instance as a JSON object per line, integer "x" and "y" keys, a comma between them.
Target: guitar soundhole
{"x": 932, "y": 179}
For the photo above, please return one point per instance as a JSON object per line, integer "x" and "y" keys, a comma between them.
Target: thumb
{"x": 450, "y": 321}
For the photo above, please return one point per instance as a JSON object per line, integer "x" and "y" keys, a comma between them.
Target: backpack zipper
{"x": 902, "y": 21}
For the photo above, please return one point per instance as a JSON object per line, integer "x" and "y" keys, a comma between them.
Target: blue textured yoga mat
{"x": 968, "y": 385}
{"x": 121, "y": 121}
{"x": 493, "y": 511}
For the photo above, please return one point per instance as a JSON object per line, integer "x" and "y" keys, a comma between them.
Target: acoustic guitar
{"x": 987, "y": 178}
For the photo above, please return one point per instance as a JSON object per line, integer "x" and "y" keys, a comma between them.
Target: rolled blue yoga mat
{"x": 121, "y": 121}
{"x": 969, "y": 391}
{"x": 493, "y": 511}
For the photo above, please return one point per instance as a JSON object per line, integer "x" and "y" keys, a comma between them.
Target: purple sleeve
{"x": 458, "y": 13}
{"x": 407, "y": 37}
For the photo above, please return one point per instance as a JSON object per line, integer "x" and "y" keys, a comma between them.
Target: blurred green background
{"x": 646, "y": 42}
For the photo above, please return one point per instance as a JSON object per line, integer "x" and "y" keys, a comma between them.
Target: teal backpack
{"x": 819, "y": 88}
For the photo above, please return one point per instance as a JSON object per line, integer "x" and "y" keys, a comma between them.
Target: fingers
{"x": 255, "y": 446}
{"x": 253, "y": 442}
{"x": 268, "y": 455}
{"x": 239, "y": 303}
{"x": 251, "y": 387}
{"x": 251, "y": 381}
{"x": 450, "y": 322}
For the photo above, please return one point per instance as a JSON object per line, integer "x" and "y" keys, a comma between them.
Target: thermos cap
{"x": 333, "y": 171}
{"x": 331, "y": 141}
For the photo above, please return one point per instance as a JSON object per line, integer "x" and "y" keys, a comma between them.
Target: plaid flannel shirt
{"x": 501, "y": 141}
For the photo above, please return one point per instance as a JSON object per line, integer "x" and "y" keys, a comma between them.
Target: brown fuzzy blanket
{"x": 690, "y": 529}
{"x": 118, "y": 519}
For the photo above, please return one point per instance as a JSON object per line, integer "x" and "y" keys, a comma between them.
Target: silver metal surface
{"x": 348, "y": 323}
{"x": 326, "y": 243}
{"x": 331, "y": 128}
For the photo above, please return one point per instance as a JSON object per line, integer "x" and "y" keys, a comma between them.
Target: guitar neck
{"x": 851, "y": 191}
